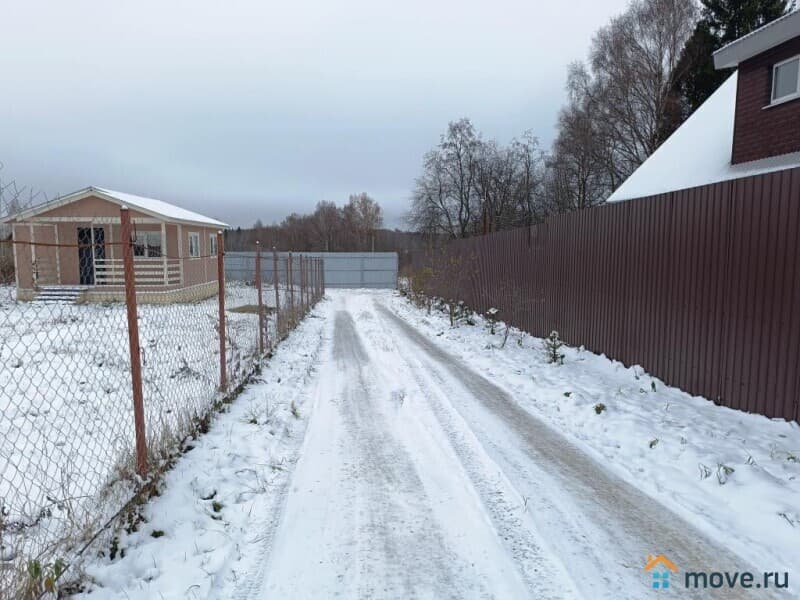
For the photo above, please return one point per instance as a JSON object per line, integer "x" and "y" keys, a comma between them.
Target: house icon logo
{"x": 660, "y": 568}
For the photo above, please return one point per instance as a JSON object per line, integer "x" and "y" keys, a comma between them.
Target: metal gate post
{"x": 133, "y": 342}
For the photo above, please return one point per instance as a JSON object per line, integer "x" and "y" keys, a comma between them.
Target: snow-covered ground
{"x": 387, "y": 455}
{"x": 66, "y": 424}
{"x": 735, "y": 476}
{"x": 212, "y": 522}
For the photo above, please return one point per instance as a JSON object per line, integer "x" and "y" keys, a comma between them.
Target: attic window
{"x": 786, "y": 80}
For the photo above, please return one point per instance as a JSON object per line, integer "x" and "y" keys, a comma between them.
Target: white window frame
{"x": 212, "y": 238}
{"x": 788, "y": 98}
{"x": 196, "y": 236}
{"x": 146, "y": 245}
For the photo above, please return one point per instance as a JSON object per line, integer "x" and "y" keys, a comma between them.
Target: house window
{"x": 213, "y": 244}
{"x": 194, "y": 245}
{"x": 786, "y": 80}
{"x": 147, "y": 244}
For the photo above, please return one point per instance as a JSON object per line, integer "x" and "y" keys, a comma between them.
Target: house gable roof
{"x": 699, "y": 153}
{"x": 149, "y": 206}
{"x": 762, "y": 39}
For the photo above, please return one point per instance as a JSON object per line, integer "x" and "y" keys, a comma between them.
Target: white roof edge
{"x": 762, "y": 39}
{"x": 149, "y": 206}
{"x": 698, "y": 153}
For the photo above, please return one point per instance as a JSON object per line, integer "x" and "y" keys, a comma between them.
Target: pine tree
{"x": 721, "y": 22}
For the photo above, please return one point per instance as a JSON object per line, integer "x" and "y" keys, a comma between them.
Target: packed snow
{"x": 385, "y": 454}
{"x": 735, "y": 476}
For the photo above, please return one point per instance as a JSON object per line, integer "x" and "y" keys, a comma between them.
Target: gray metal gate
{"x": 342, "y": 269}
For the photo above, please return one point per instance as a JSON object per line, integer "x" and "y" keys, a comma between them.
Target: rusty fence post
{"x": 290, "y": 283}
{"x": 133, "y": 341}
{"x": 276, "y": 281}
{"x": 223, "y": 362}
{"x": 303, "y": 288}
{"x": 260, "y": 300}
{"x": 300, "y": 285}
{"x": 303, "y": 297}
{"x": 310, "y": 282}
{"x": 319, "y": 279}
{"x": 316, "y": 280}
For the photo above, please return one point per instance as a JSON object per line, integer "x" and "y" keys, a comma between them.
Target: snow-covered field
{"x": 385, "y": 454}
{"x": 66, "y": 422}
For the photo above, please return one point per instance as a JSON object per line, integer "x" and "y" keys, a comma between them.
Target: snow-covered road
{"x": 383, "y": 454}
{"x": 420, "y": 478}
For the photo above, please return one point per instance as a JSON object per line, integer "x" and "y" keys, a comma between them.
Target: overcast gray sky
{"x": 246, "y": 109}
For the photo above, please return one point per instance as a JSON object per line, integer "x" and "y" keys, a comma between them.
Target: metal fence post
{"x": 316, "y": 280}
{"x": 290, "y": 283}
{"x": 311, "y": 282}
{"x": 276, "y": 280}
{"x": 300, "y": 285}
{"x": 260, "y": 300}
{"x": 133, "y": 342}
{"x": 303, "y": 288}
{"x": 303, "y": 295}
{"x": 223, "y": 363}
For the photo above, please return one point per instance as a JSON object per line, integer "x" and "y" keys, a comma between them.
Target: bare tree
{"x": 364, "y": 217}
{"x": 327, "y": 221}
{"x": 470, "y": 185}
{"x": 634, "y": 62}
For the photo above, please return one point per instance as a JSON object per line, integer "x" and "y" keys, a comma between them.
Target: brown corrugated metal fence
{"x": 701, "y": 287}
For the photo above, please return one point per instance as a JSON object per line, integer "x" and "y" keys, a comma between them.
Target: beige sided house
{"x": 174, "y": 253}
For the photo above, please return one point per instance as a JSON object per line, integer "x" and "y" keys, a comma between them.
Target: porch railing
{"x": 147, "y": 271}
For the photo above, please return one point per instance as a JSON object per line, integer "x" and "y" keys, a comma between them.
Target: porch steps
{"x": 59, "y": 294}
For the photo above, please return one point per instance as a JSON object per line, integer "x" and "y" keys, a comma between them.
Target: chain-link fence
{"x": 100, "y": 386}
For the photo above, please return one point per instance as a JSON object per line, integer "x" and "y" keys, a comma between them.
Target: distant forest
{"x": 355, "y": 227}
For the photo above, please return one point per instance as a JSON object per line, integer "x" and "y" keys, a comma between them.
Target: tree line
{"x": 648, "y": 69}
{"x": 353, "y": 227}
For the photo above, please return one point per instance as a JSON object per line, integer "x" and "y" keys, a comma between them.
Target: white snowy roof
{"x": 699, "y": 153}
{"x": 762, "y": 39}
{"x": 150, "y": 206}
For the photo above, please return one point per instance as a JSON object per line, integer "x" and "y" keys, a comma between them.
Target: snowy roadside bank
{"x": 200, "y": 535}
{"x": 733, "y": 475}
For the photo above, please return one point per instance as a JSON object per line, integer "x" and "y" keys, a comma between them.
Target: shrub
{"x": 491, "y": 317}
{"x": 552, "y": 344}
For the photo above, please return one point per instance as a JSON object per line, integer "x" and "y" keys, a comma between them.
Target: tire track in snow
{"x": 543, "y": 574}
{"x": 374, "y": 509}
{"x": 606, "y": 523}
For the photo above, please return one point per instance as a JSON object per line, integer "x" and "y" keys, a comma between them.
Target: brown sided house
{"x": 70, "y": 248}
{"x": 749, "y": 127}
